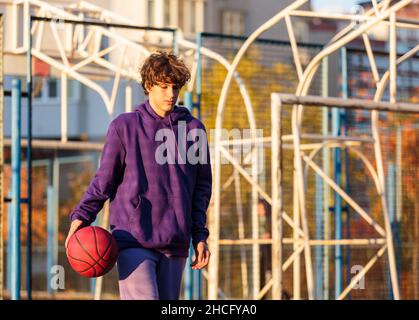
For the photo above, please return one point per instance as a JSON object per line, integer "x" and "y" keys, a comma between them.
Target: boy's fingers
{"x": 194, "y": 263}
{"x": 68, "y": 239}
{"x": 198, "y": 261}
{"x": 205, "y": 255}
{"x": 201, "y": 256}
{"x": 205, "y": 263}
{"x": 75, "y": 225}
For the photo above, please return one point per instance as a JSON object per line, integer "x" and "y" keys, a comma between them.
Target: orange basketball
{"x": 92, "y": 251}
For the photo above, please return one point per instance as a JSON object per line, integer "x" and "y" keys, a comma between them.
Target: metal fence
{"x": 399, "y": 138}
{"x": 267, "y": 67}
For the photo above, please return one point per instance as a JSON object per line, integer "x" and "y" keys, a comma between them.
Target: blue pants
{"x": 149, "y": 275}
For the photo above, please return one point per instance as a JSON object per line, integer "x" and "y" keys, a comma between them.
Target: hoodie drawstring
{"x": 177, "y": 147}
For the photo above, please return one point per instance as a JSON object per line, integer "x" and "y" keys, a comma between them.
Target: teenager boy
{"x": 155, "y": 170}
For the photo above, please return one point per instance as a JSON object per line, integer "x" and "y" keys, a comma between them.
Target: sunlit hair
{"x": 163, "y": 68}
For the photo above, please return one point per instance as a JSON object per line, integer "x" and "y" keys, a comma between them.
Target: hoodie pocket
{"x": 157, "y": 222}
{"x": 140, "y": 219}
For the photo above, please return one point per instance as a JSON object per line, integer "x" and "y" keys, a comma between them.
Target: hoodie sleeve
{"x": 106, "y": 179}
{"x": 201, "y": 199}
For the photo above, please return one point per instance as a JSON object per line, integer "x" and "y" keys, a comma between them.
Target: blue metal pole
{"x": 391, "y": 206}
{"x": 94, "y": 279}
{"x": 198, "y": 72}
{"x": 197, "y": 284}
{"x": 187, "y": 100}
{"x": 347, "y": 208}
{"x": 95, "y": 158}
{"x": 188, "y": 278}
{"x": 198, "y": 273}
{"x": 9, "y": 243}
{"x": 16, "y": 137}
{"x": 29, "y": 160}
{"x": 50, "y": 234}
{"x": 319, "y": 234}
{"x": 326, "y": 190}
{"x": 52, "y": 220}
{"x": 338, "y": 209}
{"x": 338, "y": 202}
{"x": 344, "y": 114}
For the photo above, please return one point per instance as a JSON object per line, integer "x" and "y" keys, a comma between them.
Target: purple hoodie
{"x": 152, "y": 205}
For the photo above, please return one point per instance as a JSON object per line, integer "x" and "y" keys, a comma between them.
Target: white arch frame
{"x": 378, "y": 14}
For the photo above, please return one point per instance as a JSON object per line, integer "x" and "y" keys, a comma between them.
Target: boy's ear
{"x": 147, "y": 87}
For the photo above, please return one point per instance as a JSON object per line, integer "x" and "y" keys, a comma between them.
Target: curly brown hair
{"x": 163, "y": 67}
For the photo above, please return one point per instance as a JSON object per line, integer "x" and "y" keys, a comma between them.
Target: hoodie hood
{"x": 178, "y": 113}
{"x": 147, "y": 113}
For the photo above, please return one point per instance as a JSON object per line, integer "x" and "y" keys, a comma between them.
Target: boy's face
{"x": 163, "y": 97}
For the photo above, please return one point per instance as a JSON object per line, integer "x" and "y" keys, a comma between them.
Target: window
{"x": 150, "y": 12}
{"x": 48, "y": 90}
{"x": 52, "y": 88}
{"x": 185, "y": 14}
{"x": 232, "y": 22}
{"x": 187, "y": 21}
{"x": 166, "y": 13}
{"x": 45, "y": 89}
{"x": 190, "y": 15}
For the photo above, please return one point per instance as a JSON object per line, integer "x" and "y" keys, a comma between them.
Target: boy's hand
{"x": 75, "y": 225}
{"x": 202, "y": 256}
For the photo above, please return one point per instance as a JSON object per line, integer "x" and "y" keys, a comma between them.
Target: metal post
{"x": 399, "y": 183}
{"x": 95, "y": 284}
{"x": 344, "y": 114}
{"x": 29, "y": 158}
{"x": 296, "y": 273}
{"x": 50, "y": 215}
{"x": 198, "y": 72}
{"x": 64, "y": 107}
{"x": 52, "y": 220}
{"x": 197, "y": 284}
{"x": 188, "y": 100}
{"x": 193, "y": 282}
{"x": 16, "y": 129}
{"x": 9, "y": 243}
{"x": 319, "y": 234}
{"x": 391, "y": 206}
{"x": 189, "y": 276}
{"x": 393, "y": 99}
{"x": 326, "y": 188}
{"x": 320, "y": 198}
{"x": 338, "y": 201}
{"x": 277, "y": 201}
{"x": 198, "y": 273}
